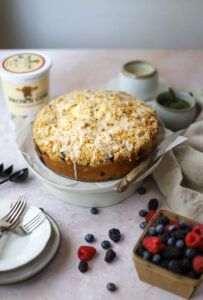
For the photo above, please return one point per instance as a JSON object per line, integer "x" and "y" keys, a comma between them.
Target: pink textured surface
{"x": 80, "y": 69}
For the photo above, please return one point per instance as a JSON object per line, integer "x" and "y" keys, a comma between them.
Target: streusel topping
{"x": 90, "y": 127}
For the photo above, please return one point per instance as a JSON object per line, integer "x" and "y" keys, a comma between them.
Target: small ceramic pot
{"x": 139, "y": 78}
{"x": 176, "y": 119}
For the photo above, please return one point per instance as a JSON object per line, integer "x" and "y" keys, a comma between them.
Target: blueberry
{"x": 153, "y": 204}
{"x": 160, "y": 228}
{"x": 83, "y": 266}
{"x": 94, "y": 211}
{"x": 190, "y": 252}
{"x": 172, "y": 228}
{"x": 182, "y": 224}
{"x": 111, "y": 287}
{"x": 147, "y": 255}
{"x": 140, "y": 249}
{"x": 180, "y": 243}
{"x": 152, "y": 231}
{"x": 143, "y": 225}
{"x": 156, "y": 258}
{"x": 89, "y": 238}
{"x": 141, "y": 190}
{"x": 105, "y": 244}
{"x": 171, "y": 241}
{"x": 143, "y": 213}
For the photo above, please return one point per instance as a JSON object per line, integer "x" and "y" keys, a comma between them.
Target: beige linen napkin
{"x": 180, "y": 173}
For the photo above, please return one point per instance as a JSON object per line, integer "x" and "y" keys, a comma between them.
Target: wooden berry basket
{"x": 158, "y": 276}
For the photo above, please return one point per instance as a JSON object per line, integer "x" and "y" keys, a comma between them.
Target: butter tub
{"x": 153, "y": 274}
{"x": 25, "y": 81}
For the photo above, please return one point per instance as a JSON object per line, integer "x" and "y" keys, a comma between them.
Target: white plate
{"x": 162, "y": 87}
{"x": 17, "y": 250}
{"x": 38, "y": 264}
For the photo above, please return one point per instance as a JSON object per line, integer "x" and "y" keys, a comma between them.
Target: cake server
{"x": 162, "y": 148}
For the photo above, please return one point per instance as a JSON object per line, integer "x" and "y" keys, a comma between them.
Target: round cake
{"x": 95, "y": 134}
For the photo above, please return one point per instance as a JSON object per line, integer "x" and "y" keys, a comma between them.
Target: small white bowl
{"x": 138, "y": 78}
{"x": 176, "y": 119}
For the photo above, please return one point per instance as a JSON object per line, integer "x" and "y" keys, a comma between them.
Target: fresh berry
{"x": 89, "y": 238}
{"x": 150, "y": 214}
{"x": 141, "y": 190}
{"x": 192, "y": 240}
{"x": 164, "y": 237}
{"x": 83, "y": 266}
{"x": 192, "y": 274}
{"x": 163, "y": 220}
{"x": 115, "y": 235}
{"x": 180, "y": 244}
{"x": 160, "y": 228}
{"x": 171, "y": 228}
{"x": 94, "y": 211}
{"x": 140, "y": 249}
{"x": 153, "y": 244}
{"x": 199, "y": 230}
{"x": 110, "y": 255}
{"x": 179, "y": 234}
{"x": 164, "y": 263}
{"x": 153, "y": 204}
{"x": 197, "y": 263}
{"x": 186, "y": 264}
{"x": 111, "y": 287}
{"x": 200, "y": 246}
{"x": 171, "y": 252}
{"x": 143, "y": 213}
{"x": 86, "y": 252}
{"x": 156, "y": 258}
{"x": 143, "y": 225}
{"x": 182, "y": 224}
{"x": 190, "y": 252}
{"x": 171, "y": 241}
{"x": 175, "y": 266}
{"x": 105, "y": 244}
{"x": 174, "y": 222}
{"x": 189, "y": 227}
{"x": 147, "y": 255}
{"x": 152, "y": 231}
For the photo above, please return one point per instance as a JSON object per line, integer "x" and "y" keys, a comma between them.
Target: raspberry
{"x": 153, "y": 244}
{"x": 171, "y": 252}
{"x": 192, "y": 240}
{"x": 175, "y": 266}
{"x": 150, "y": 214}
{"x": 200, "y": 246}
{"x": 163, "y": 220}
{"x": 110, "y": 255}
{"x": 197, "y": 263}
{"x": 153, "y": 204}
{"x": 83, "y": 266}
{"x": 115, "y": 235}
{"x": 174, "y": 222}
{"x": 199, "y": 230}
{"x": 86, "y": 252}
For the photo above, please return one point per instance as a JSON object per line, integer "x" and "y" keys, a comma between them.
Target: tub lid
{"x": 24, "y": 64}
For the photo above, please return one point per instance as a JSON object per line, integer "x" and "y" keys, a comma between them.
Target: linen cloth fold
{"x": 179, "y": 176}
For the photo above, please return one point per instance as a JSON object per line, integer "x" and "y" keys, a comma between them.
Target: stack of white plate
{"x": 22, "y": 257}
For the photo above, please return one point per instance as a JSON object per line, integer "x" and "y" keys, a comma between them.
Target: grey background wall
{"x": 101, "y": 24}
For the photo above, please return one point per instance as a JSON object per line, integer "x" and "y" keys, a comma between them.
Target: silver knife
{"x": 122, "y": 185}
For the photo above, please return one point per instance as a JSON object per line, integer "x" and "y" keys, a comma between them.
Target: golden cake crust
{"x": 95, "y": 135}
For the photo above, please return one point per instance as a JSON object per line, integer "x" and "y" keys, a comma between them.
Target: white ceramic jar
{"x": 176, "y": 119}
{"x": 139, "y": 78}
{"x": 25, "y": 81}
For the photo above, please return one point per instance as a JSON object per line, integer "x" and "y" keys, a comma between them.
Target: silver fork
{"x": 14, "y": 215}
{"x": 31, "y": 225}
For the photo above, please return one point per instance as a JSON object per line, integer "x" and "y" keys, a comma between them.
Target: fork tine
{"x": 34, "y": 225}
{"x": 15, "y": 212}
{"x": 15, "y": 217}
{"x": 36, "y": 219}
{"x": 5, "y": 218}
{"x": 33, "y": 219}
